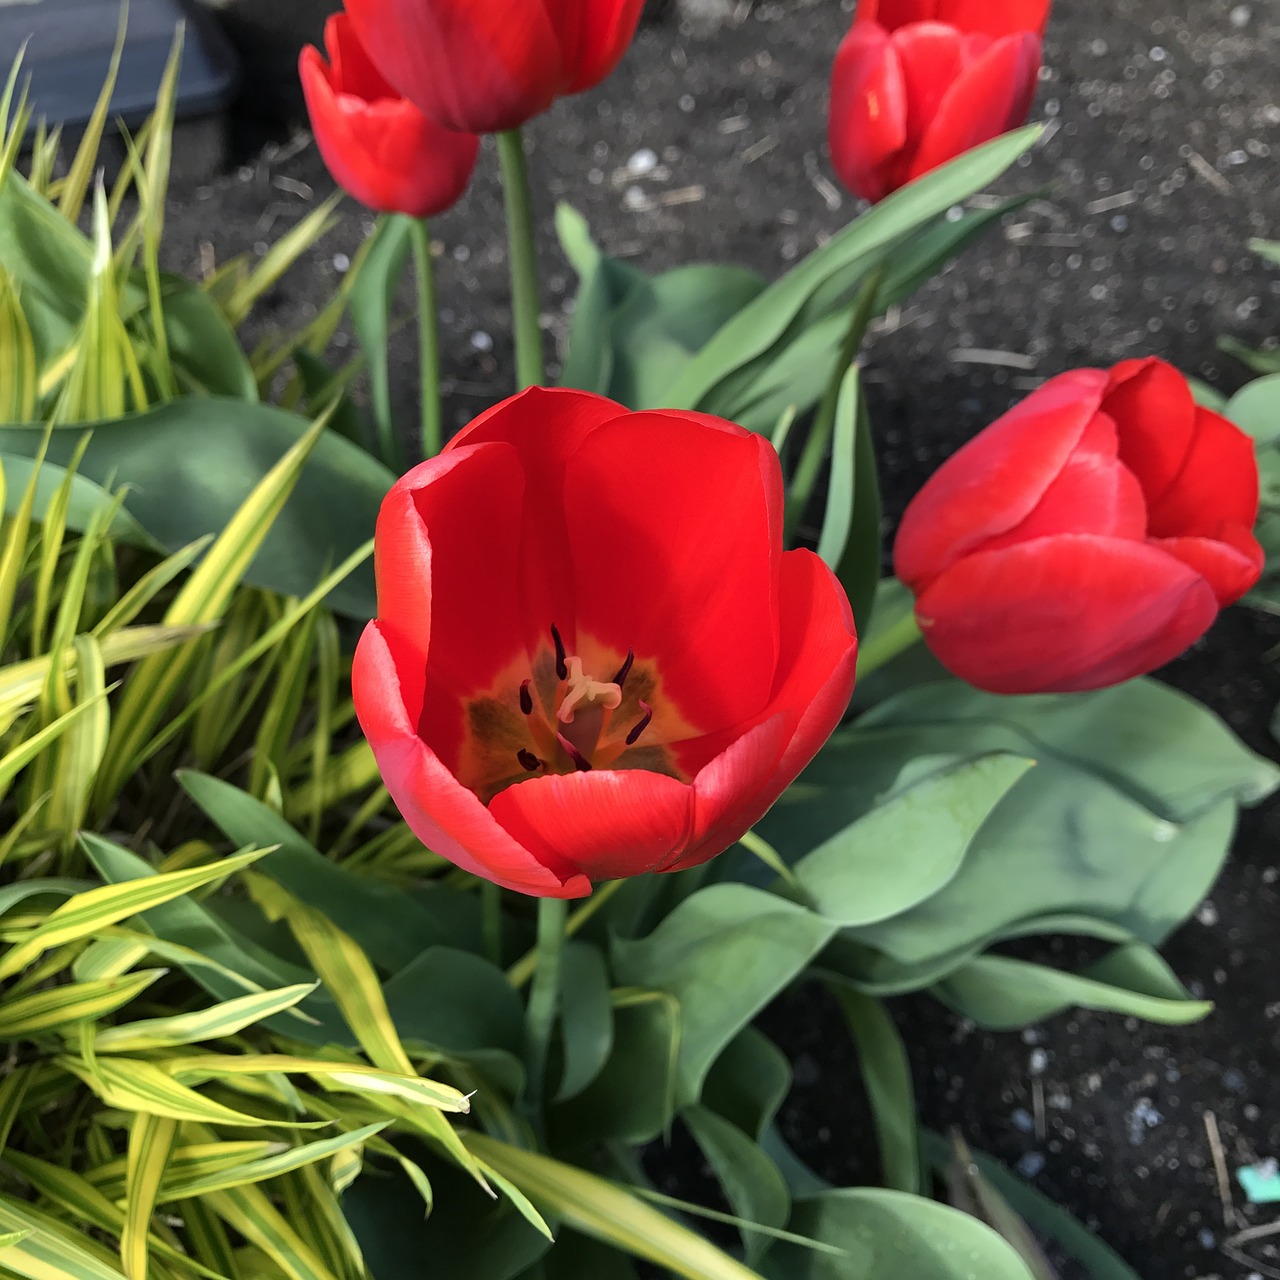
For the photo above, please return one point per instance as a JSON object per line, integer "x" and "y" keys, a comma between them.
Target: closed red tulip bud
{"x": 379, "y": 147}
{"x": 919, "y": 82}
{"x": 488, "y": 65}
{"x": 1088, "y": 536}
{"x": 592, "y": 658}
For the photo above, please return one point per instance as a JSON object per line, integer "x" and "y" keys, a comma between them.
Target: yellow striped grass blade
{"x": 19, "y": 382}
{"x": 202, "y": 600}
{"x": 343, "y": 1077}
{"x": 77, "y": 1198}
{"x": 89, "y": 912}
{"x": 151, "y": 1139}
{"x": 50, "y": 1250}
{"x": 266, "y": 1167}
{"x": 345, "y": 971}
{"x": 13, "y": 554}
{"x": 13, "y": 1091}
{"x": 29, "y": 749}
{"x": 132, "y": 1084}
{"x": 248, "y": 1211}
{"x": 194, "y": 1159}
{"x": 606, "y": 1212}
{"x": 73, "y": 1002}
{"x": 147, "y": 587}
{"x": 223, "y": 1019}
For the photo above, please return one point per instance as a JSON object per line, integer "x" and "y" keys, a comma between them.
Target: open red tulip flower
{"x": 1088, "y": 536}
{"x": 592, "y": 657}
{"x": 379, "y": 147}
{"x": 919, "y": 82}
{"x": 485, "y": 66}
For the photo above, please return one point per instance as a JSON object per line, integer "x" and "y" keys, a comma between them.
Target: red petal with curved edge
{"x": 996, "y": 480}
{"x": 1218, "y": 482}
{"x": 816, "y": 669}
{"x": 460, "y": 513}
{"x": 932, "y": 57}
{"x": 593, "y": 34}
{"x": 1155, "y": 415}
{"x": 995, "y": 17}
{"x": 1093, "y": 493}
{"x": 1231, "y": 562}
{"x": 479, "y": 66}
{"x": 675, "y": 529}
{"x": 1063, "y": 614}
{"x": 892, "y": 14}
{"x": 353, "y": 70}
{"x": 607, "y": 825}
{"x": 546, "y": 427}
{"x": 867, "y": 123}
{"x": 441, "y": 812}
{"x": 991, "y": 96}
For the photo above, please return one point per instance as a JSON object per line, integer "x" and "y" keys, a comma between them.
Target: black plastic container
{"x": 68, "y": 51}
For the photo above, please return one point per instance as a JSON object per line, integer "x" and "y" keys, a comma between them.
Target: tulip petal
{"x": 353, "y": 70}
{"x": 892, "y": 14}
{"x": 867, "y": 123}
{"x": 991, "y": 96}
{"x": 1063, "y": 614}
{"x": 1093, "y": 493}
{"x": 546, "y": 427}
{"x": 816, "y": 669}
{"x": 1155, "y": 414}
{"x": 932, "y": 58}
{"x": 593, "y": 34}
{"x": 479, "y": 66}
{"x": 996, "y": 480}
{"x": 995, "y": 17}
{"x": 675, "y": 529}
{"x": 1231, "y": 562}
{"x": 443, "y": 814}
{"x": 605, "y": 824}
{"x": 1218, "y": 482}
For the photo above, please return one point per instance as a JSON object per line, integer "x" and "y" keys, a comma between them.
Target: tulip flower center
{"x": 566, "y": 718}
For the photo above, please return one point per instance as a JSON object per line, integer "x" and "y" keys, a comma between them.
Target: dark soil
{"x": 1163, "y": 129}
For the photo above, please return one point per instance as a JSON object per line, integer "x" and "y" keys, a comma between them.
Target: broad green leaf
{"x": 748, "y": 1082}
{"x": 608, "y": 1213}
{"x": 373, "y": 291}
{"x": 89, "y": 912}
{"x": 755, "y": 1189}
{"x": 151, "y": 1139}
{"x": 723, "y": 954}
{"x": 1255, "y": 409}
{"x": 206, "y": 1024}
{"x": 207, "y": 356}
{"x": 1003, "y": 994}
{"x": 837, "y": 521}
{"x": 889, "y": 1235}
{"x": 180, "y": 492}
{"x": 907, "y": 848}
{"x": 1048, "y": 1218}
{"x": 586, "y": 1018}
{"x": 886, "y": 1076}
{"x": 764, "y": 322}
{"x": 72, "y": 1002}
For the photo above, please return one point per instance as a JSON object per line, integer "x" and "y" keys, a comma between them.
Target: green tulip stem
{"x": 824, "y": 421}
{"x": 428, "y": 338}
{"x": 523, "y": 969}
{"x": 524, "y": 259}
{"x": 881, "y": 648}
{"x": 544, "y": 995}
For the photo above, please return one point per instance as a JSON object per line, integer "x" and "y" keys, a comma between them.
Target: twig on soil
{"x": 1210, "y": 174}
{"x": 758, "y": 149}
{"x": 1233, "y": 1251}
{"x": 981, "y": 355}
{"x": 1037, "y": 1107}
{"x": 1230, "y": 1216}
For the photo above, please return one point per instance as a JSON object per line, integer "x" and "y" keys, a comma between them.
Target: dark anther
{"x": 562, "y": 669}
{"x": 526, "y": 699}
{"x": 641, "y": 725}
{"x": 528, "y": 760}
{"x": 625, "y": 670}
{"x": 580, "y": 762}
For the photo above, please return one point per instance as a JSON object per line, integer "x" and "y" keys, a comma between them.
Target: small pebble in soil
{"x": 1031, "y": 1164}
{"x": 644, "y": 161}
{"x": 1144, "y": 1116}
{"x": 1037, "y": 1061}
{"x": 1023, "y": 1120}
{"x": 481, "y": 341}
{"x": 1207, "y": 914}
{"x": 1207, "y": 1239}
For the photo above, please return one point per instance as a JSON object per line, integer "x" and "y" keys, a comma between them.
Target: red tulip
{"x": 488, "y": 65}
{"x": 919, "y": 82}
{"x": 592, "y": 657}
{"x": 379, "y": 146}
{"x": 1088, "y": 536}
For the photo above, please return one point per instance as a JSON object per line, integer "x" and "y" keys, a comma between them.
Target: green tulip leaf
{"x": 889, "y": 1235}
{"x": 748, "y": 1081}
{"x": 586, "y": 1018}
{"x": 1255, "y": 409}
